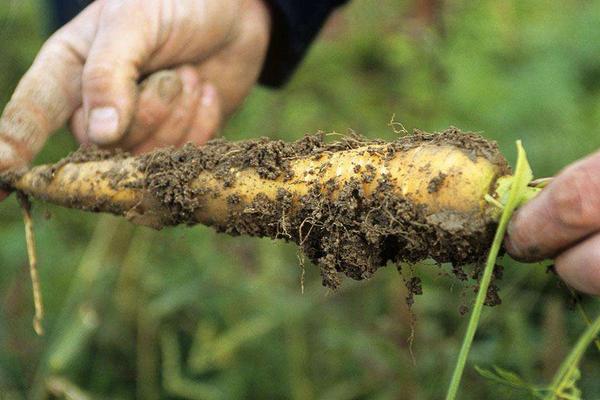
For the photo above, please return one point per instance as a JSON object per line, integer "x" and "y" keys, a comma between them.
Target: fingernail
{"x": 103, "y": 125}
{"x": 169, "y": 87}
{"x": 9, "y": 157}
{"x": 209, "y": 94}
{"x": 7, "y": 152}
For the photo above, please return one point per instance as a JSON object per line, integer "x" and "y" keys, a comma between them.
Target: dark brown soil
{"x": 415, "y": 288}
{"x": 7, "y": 178}
{"x": 336, "y": 225}
{"x": 436, "y": 183}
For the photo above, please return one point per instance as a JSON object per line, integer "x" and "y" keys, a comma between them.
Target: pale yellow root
{"x": 464, "y": 182}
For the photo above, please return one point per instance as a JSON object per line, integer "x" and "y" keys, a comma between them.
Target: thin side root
{"x": 33, "y": 271}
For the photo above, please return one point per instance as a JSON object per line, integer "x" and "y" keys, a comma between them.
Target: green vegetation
{"x": 187, "y": 313}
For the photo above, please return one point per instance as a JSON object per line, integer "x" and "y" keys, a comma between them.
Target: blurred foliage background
{"x": 187, "y": 313}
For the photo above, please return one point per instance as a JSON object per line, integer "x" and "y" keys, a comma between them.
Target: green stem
{"x": 514, "y": 195}
{"x": 574, "y": 357}
{"x": 476, "y": 314}
{"x": 584, "y": 315}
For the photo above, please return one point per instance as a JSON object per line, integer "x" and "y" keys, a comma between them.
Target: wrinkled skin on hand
{"x": 197, "y": 60}
{"x": 563, "y": 222}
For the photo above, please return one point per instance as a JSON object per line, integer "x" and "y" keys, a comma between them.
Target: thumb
{"x": 563, "y": 214}
{"x": 109, "y": 80}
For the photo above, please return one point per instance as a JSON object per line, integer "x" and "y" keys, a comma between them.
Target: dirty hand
{"x": 201, "y": 57}
{"x": 563, "y": 221}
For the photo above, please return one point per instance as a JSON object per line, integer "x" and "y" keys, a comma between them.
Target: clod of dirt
{"x": 415, "y": 288}
{"x": 436, "y": 183}
{"x": 335, "y": 224}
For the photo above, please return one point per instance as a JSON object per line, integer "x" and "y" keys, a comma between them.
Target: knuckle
{"x": 96, "y": 77}
{"x": 57, "y": 45}
{"x": 53, "y": 49}
{"x": 575, "y": 200}
{"x": 22, "y": 128}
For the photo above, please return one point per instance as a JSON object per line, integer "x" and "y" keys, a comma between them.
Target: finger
{"x": 208, "y": 117}
{"x": 50, "y": 90}
{"x": 579, "y": 266}
{"x": 565, "y": 212}
{"x": 10, "y": 155}
{"x": 233, "y": 77}
{"x": 111, "y": 71}
{"x": 234, "y": 70}
{"x": 176, "y": 125}
{"x": 78, "y": 126}
{"x": 158, "y": 95}
{"x": 39, "y": 106}
{"x": 9, "y": 158}
{"x": 192, "y": 31}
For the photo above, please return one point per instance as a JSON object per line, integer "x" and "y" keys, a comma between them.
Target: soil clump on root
{"x": 336, "y": 225}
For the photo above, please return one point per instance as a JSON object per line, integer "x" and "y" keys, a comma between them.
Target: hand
{"x": 563, "y": 221}
{"x": 88, "y": 72}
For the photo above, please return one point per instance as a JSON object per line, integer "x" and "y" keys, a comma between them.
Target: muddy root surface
{"x": 336, "y": 225}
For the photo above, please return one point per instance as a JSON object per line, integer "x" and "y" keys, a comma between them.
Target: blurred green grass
{"x": 187, "y": 313}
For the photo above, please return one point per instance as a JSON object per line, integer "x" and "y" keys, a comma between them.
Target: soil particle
{"x": 492, "y": 297}
{"x": 92, "y": 153}
{"x": 415, "y": 288}
{"x": 7, "y": 178}
{"x": 369, "y": 174}
{"x": 168, "y": 176}
{"x": 436, "y": 183}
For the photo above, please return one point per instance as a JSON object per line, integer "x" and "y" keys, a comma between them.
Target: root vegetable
{"x": 352, "y": 205}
